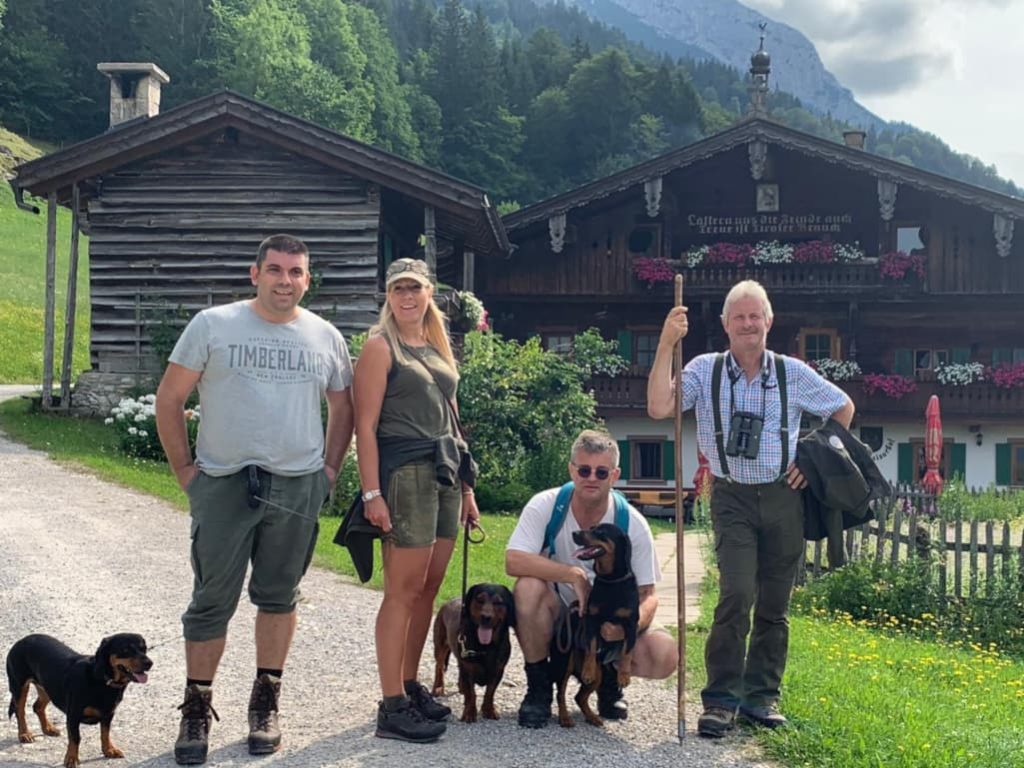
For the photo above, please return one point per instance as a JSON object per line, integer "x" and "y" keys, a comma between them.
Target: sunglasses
{"x": 585, "y": 470}
{"x": 417, "y": 266}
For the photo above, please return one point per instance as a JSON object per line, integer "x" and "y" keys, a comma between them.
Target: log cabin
{"x": 175, "y": 204}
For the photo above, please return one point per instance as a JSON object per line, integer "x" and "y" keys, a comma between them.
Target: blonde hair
{"x": 748, "y": 289}
{"x": 434, "y": 331}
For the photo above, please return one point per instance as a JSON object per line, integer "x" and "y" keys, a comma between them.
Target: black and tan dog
{"x": 87, "y": 689}
{"x": 478, "y": 633}
{"x": 578, "y": 649}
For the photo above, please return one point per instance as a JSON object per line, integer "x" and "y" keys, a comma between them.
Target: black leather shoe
{"x": 407, "y": 723}
{"x": 766, "y": 716}
{"x": 430, "y": 707}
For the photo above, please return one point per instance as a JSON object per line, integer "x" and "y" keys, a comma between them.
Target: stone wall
{"x": 96, "y": 393}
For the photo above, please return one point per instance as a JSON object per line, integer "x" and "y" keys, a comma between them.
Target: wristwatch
{"x": 371, "y": 495}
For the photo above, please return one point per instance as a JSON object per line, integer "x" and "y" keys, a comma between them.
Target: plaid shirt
{"x": 806, "y": 391}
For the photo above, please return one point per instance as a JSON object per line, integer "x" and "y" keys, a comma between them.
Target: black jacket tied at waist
{"x": 842, "y": 480}
{"x": 356, "y": 532}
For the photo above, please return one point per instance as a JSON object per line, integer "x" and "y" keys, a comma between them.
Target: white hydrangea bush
{"x": 134, "y": 421}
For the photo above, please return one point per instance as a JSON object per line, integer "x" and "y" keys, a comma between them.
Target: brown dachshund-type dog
{"x": 87, "y": 689}
{"x": 477, "y": 632}
{"x": 578, "y": 648}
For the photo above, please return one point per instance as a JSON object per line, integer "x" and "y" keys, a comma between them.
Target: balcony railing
{"x": 628, "y": 393}
{"x": 979, "y": 399}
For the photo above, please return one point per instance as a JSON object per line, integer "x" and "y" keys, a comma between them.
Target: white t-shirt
{"x": 261, "y": 387}
{"x": 529, "y": 537}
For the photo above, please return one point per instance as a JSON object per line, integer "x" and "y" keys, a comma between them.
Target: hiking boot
{"x": 264, "y": 730}
{"x": 610, "y": 704}
{"x": 407, "y": 723}
{"x": 535, "y": 711}
{"x": 766, "y": 715}
{"x": 194, "y": 731}
{"x": 428, "y": 706}
{"x": 714, "y": 722}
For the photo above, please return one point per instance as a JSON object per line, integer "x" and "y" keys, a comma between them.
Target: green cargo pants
{"x": 759, "y": 542}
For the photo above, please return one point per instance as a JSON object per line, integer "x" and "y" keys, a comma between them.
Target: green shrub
{"x": 958, "y": 503}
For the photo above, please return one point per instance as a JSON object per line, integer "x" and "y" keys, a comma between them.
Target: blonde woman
{"x": 409, "y": 456}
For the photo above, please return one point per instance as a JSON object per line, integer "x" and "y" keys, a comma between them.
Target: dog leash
{"x": 467, "y": 539}
{"x": 254, "y": 499}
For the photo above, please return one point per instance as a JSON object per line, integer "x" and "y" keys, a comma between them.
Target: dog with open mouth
{"x": 477, "y": 632}
{"x": 87, "y": 689}
{"x": 614, "y": 599}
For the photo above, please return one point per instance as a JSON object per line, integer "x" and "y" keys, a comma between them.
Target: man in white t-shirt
{"x": 547, "y": 583}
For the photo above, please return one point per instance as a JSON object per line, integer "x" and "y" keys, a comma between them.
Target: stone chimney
{"x": 854, "y": 139}
{"x": 134, "y": 89}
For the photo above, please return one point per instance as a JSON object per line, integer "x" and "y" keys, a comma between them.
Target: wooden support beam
{"x": 468, "y": 270}
{"x": 70, "y": 306}
{"x": 50, "y": 299}
{"x": 430, "y": 233}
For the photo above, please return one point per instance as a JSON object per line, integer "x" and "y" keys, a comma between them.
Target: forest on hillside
{"x": 525, "y": 100}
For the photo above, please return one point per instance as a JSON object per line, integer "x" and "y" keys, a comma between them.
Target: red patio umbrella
{"x": 932, "y": 481}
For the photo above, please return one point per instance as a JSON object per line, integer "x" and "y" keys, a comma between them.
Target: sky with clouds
{"x": 951, "y": 67}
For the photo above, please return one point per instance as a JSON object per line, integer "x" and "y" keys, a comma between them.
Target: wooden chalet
{"x": 175, "y": 205}
{"x": 577, "y": 257}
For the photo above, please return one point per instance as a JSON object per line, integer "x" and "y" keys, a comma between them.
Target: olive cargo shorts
{"x": 422, "y": 509}
{"x": 227, "y": 534}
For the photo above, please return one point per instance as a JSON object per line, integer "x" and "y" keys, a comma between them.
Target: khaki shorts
{"x": 422, "y": 509}
{"x": 227, "y": 534}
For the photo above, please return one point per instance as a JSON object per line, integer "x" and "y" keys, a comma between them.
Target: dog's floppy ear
{"x": 510, "y": 605}
{"x": 624, "y": 553}
{"x": 101, "y": 661}
{"x": 468, "y": 600}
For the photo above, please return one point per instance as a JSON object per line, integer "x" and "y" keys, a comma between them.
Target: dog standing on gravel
{"x": 477, "y": 631}
{"x": 87, "y": 689}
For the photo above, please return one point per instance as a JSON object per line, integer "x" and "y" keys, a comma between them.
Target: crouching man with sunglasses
{"x": 549, "y": 578}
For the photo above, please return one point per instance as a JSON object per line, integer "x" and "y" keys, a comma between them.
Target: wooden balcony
{"x": 627, "y": 394}
{"x": 620, "y": 394}
{"x": 982, "y": 400}
{"x": 793, "y": 279}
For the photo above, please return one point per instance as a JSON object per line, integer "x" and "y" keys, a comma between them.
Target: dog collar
{"x": 464, "y": 652}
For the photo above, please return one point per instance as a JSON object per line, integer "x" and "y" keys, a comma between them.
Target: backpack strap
{"x": 561, "y": 509}
{"x": 716, "y": 409}
{"x": 780, "y": 376}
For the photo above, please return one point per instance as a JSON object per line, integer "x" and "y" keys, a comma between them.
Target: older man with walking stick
{"x": 749, "y": 402}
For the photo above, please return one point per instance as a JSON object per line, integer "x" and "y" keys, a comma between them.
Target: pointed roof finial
{"x": 760, "y": 68}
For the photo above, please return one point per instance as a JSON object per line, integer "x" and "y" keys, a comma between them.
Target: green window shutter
{"x": 668, "y": 460}
{"x": 624, "y": 459}
{"x": 1002, "y": 355}
{"x": 1003, "y": 456}
{"x": 904, "y": 463}
{"x": 958, "y": 461}
{"x": 903, "y": 362}
{"x": 961, "y": 354}
{"x": 626, "y": 345}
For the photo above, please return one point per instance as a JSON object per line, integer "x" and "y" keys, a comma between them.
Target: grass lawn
{"x": 22, "y": 281}
{"x": 859, "y": 698}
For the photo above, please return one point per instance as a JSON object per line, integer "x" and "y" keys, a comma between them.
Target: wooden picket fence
{"x": 966, "y": 555}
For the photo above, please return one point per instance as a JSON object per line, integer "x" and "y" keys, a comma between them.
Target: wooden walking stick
{"x": 677, "y": 372}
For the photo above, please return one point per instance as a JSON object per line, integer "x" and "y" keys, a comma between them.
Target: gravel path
{"x": 83, "y": 558}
